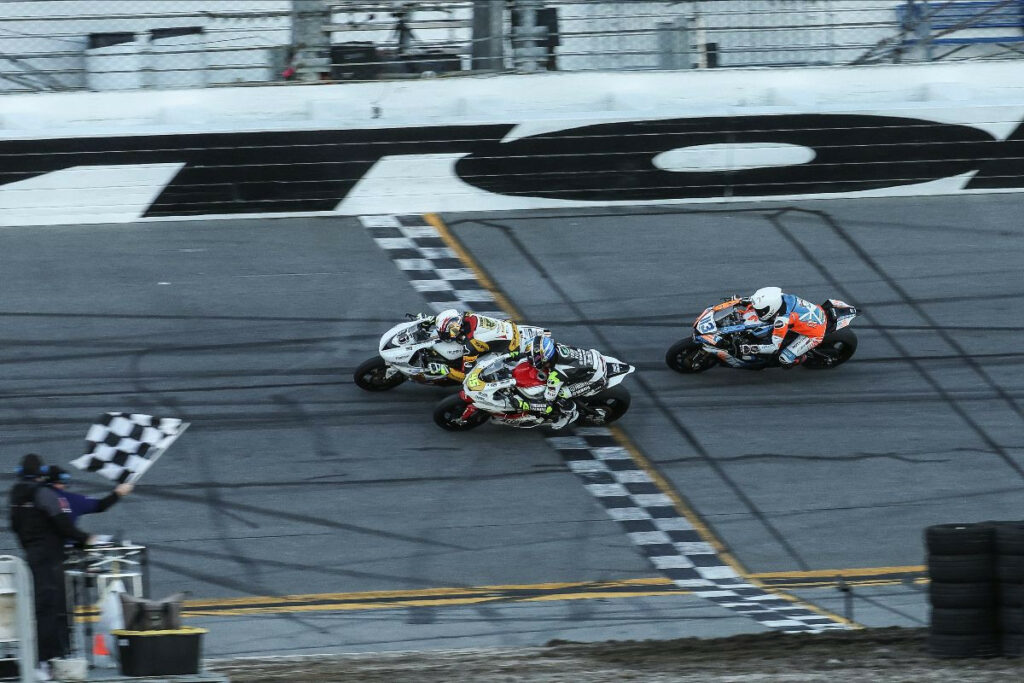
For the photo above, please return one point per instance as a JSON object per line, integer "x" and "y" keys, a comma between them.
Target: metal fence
{"x": 130, "y": 44}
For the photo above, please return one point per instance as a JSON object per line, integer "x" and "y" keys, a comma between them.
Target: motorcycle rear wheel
{"x": 448, "y": 415}
{"x": 688, "y": 357}
{"x": 838, "y": 348}
{"x": 371, "y": 375}
{"x": 613, "y": 403}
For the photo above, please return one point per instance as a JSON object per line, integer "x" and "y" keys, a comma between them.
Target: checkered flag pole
{"x": 122, "y": 446}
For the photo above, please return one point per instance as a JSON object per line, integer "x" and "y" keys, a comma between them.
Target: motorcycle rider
{"x": 478, "y": 334}
{"x": 790, "y": 314}
{"x": 564, "y": 372}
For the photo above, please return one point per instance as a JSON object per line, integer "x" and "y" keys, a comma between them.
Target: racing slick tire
{"x": 837, "y": 348}
{"x": 612, "y": 403}
{"x": 371, "y": 375}
{"x": 448, "y": 415}
{"x": 687, "y": 356}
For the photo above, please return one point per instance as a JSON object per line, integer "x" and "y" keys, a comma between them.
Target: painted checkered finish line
{"x": 667, "y": 539}
{"x": 647, "y": 513}
{"x": 433, "y": 268}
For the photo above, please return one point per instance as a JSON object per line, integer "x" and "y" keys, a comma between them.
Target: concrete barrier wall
{"x": 509, "y": 142}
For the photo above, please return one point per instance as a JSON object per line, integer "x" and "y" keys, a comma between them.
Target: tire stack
{"x": 963, "y": 592}
{"x": 1009, "y": 546}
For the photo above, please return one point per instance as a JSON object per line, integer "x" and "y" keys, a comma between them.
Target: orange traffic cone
{"x": 99, "y": 645}
{"x": 100, "y": 652}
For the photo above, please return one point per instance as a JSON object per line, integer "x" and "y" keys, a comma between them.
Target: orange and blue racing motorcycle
{"x": 720, "y": 332}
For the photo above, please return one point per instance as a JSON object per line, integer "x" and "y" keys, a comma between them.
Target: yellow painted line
{"x": 603, "y": 596}
{"x": 682, "y": 507}
{"x": 656, "y": 586}
{"x": 425, "y": 592}
{"x": 860, "y": 571}
{"x": 455, "y": 245}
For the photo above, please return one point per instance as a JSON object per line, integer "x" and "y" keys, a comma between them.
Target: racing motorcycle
{"x": 408, "y": 349}
{"x": 719, "y": 331}
{"x": 490, "y": 388}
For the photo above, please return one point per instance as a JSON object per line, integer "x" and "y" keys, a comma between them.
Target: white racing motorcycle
{"x": 408, "y": 349}
{"x": 490, "y": 388}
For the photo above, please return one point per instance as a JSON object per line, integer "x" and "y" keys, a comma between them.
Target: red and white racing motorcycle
{"x": 489, "y": 393}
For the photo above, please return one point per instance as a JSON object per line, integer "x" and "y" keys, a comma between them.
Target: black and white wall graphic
{"x": 529, "y": 165}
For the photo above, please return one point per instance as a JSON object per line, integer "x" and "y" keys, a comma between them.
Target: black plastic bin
{"x": 159, "y": 653}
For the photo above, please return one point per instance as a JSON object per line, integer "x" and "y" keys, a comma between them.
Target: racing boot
{"x": 567, "y": 413}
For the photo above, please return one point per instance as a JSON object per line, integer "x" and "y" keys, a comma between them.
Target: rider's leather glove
{"x": 439, "y": 369}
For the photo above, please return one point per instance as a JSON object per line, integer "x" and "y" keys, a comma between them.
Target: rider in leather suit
{"x": 478, "y": 334}
{"x": 791, "y": 314}
{"x": 566, "y": 372}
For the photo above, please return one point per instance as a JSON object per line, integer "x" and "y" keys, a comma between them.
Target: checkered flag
{"x": 122, "y": 446}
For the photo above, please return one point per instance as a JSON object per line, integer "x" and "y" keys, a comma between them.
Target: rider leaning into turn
{"x": 478, "y": 334}
{"x": 791, "y": 314}
{"x": 563, "y": 372}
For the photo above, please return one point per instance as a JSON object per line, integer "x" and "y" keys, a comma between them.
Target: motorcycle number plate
{"x": 706, "y": 324}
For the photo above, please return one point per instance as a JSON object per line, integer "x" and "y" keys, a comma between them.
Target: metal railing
{"x": 130, "y": 44}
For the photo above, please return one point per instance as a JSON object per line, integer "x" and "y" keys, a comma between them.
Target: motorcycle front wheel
{"x": 835, "y": 349}
{"x": 448, "y": 415}
{"x": 608, "y": 406}
{"x": 687, "y": 356}
{"x": 371, "y": 375}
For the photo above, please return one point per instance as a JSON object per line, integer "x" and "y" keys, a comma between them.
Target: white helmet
{"x": 767, "y": 301}
{"x": 448, "y": 324}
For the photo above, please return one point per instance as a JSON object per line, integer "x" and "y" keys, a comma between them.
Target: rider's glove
{"x": 439, "y": 369}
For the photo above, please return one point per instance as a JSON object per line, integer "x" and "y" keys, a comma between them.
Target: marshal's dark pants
{"x": 50, "y": 603}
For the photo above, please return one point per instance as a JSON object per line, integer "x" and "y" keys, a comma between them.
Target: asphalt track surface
{"x": 293, "y": 481}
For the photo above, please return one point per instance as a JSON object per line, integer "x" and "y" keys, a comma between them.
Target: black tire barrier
{"x": 1011, "y": 620}
{"x": 949, "y": 621}
{"x": 976, "y": 591}
{"x": 1010, "y": 568}
{"x": 962, "y": 595}
{"x": 1009, "y": 538}
{"x": 960, "y": 539}
{"x": 1011, "y": 594}
{"x": 961, "y": 568}
{"x": 1012, "y": 644}
{"x": 973, "y": 645}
